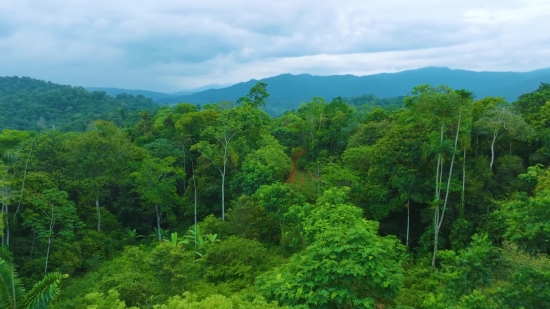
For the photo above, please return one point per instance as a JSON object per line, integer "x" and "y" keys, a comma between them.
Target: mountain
{"x": 156, "y": 96}
{"x": 32, "y": 104}
{"x": 288, "y": 91}
{"x": 202, "y": 88}
{"x": 148, "y": 94}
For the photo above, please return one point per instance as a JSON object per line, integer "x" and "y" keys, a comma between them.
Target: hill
{"x": 288, "y": 91}
{"x": 31, "y": 104}
{"x": 146, "y": 93}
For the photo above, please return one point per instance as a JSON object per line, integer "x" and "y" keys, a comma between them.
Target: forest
{"x": 434, "y": 200}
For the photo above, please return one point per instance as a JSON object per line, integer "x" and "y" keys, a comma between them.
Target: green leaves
{"x": 527, "y": 221}
{"x": 12, "y": 293}
{"x": 345, "y": 264}
{"x": 256, "y": 96}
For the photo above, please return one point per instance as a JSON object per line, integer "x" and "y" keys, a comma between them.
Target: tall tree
{"x": 256, "y": 96}
{"x": 52, "y": 215}
{"x": 443, "y": 110}
{"x": 155, "y": 183}
{"x": 220, "y": 153}
{"x": 96, "y": 158}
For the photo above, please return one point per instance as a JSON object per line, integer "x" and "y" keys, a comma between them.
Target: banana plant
{"x": 200, "y": 240}
{"x": 133, "y": 235}
{"x": 177, "y": 241}
{"x": 163, "y": 233}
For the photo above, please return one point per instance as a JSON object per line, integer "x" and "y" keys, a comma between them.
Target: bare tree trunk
{"x": 440, "y": 219}
{"x": 47, "y": 255}
{"x": 4, "y": 215}
{"x": 32, "y": 245}
{"x": 408, "y": 219}
{"x": 24, "y": 177}
{"x": 49, "y": 241}
{"x": 158, "y": 222}
{"x": 98, "y": 210}
{"x": 477, "y": 141}
{"x": 495, "y": 134}
{"x": 438, "y": 176}
{"x": 195, "y": 198}
{"x": 223, "y": 180}
{"x": 5, "y": 211}
{"x": 463, "y": 196}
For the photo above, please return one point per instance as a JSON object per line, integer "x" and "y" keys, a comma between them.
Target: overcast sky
{"x": 173, "y": 45}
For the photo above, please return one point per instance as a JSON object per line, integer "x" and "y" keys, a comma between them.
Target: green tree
{"x": 220, "y": 153}
{"x": 97, "y": 158}
{"x": 264, "y": 166}
{"x": 53, "y": 215}
{"x": 346, "y": 263}
{"x": 256, "y": 96}
{"x": 155, "y": 183}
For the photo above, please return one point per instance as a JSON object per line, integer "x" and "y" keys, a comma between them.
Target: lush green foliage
{"x": 440, "y": 203}
{"x": 30, "y": 104}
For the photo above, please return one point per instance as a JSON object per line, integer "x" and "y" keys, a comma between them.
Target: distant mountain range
{"x": 156, "y": 96}
{"x": 288, "y": 91}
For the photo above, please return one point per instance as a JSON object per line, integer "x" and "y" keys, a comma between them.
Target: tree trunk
{"x": 195, "y": 198}
{"x": 48, "y": 255}
{"x": 223, "y": 180}
{"x": 158, "y": 222}
{"x": 32, "y": 245}
{"x": 49, "y": 242}
{"x": 4, "y": 215}
{"x": 495, "y": 134}
{"x": 24, "y": 177}
{"x": 98, "y": 210}
{"x": 439, "y": 220}
{"x": 408, "y": 219}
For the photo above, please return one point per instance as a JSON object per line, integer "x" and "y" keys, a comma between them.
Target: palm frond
{"x": 43, "y": 292}
{"x": 11, "y": 289}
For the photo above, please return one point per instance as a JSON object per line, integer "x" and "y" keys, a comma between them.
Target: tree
{"x": 276, "y": 200}
{"x": 221, "y": 152}
{"x": 11, "y": 142}
{"x": 441, "y": 108}
{"x": 14, "y": 296}
{"x": 264, "y": 166}
{"x": 155, "y": 183}
{"x": 500, "y": 118}
{"x": 256, "y": 96}
{"x": 346, "y": 263}
{"x": 97, "y": 158}
{"x": 53, "y": 215}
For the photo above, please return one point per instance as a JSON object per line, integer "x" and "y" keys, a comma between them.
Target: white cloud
{"x": 170, "y": 45}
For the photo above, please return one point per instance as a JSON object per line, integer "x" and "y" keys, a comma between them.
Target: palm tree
{"x": 13, "y": 295}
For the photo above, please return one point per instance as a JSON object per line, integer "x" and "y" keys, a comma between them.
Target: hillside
{"x": 31, "y": 104}
{"x": 146, "y": 93}
{"x": 288, "y": 91}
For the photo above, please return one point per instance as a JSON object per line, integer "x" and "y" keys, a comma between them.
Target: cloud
{"x": 173, "y": 45}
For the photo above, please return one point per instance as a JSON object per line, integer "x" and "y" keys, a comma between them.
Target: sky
{"x": 174, "y": 45}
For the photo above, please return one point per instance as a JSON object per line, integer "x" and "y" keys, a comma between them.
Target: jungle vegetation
{"x": 442, "y": 201}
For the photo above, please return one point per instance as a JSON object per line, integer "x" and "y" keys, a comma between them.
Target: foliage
{"x": 31, "y": 104}
{"x": 13, "y": 294}
{"x": 345, "y": 264}
{"x": 315, "y": 204}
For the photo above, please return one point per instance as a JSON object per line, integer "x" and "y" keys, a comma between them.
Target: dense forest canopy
{"x": 435, "y": 200}
{"x": 31, "y": 104}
